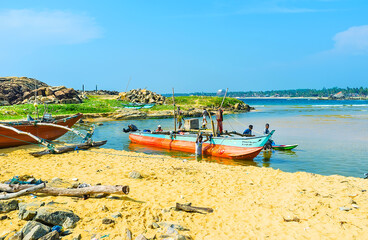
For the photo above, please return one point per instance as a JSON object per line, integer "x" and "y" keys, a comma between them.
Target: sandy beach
{"x": 248, "y": 202}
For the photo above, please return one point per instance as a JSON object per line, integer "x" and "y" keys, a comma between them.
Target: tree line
{"x": 325, "y": 92}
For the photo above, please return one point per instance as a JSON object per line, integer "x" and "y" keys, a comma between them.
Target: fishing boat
{"x": 284, "y": 147}
{"x": 223, "y": 146}
{"x": 42, "y": 129}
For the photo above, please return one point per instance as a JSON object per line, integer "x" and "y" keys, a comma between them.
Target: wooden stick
{"x": 34, "y": 188}
{"x": 190, "y": 208}
{"x": 224, "y": 97}
{"x": 118, "y": 189}
{"x": 174, "y": 110}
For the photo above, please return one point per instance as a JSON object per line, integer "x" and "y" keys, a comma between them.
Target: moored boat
{"x": 284, "y": 147}
{"x": 9, "y": 138}
{"x": 223, "y": 146}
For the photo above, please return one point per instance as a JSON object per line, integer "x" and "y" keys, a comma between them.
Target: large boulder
{"x": 27, "y": 211}
{"x": 40, "y": 231}
{"x": 7, "y": 206}
{"x": 55, "y": 216}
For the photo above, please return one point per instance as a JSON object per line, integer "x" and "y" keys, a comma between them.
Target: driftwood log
{"x": 65, "y": 149}
{"x": 190, "y": 208}
{"x": 33, "y": 188}
{"x": 118, "y": 189}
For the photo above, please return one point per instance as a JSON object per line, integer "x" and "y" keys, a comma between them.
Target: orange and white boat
{"x": 223, "y": 146}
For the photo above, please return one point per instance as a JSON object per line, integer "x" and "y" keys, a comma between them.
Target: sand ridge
{"x": 249, "y": 202}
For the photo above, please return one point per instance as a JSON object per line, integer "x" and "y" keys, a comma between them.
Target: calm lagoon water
{"x": 332, "y": 135}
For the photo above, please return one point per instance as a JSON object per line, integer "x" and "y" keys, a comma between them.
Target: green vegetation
{"x": 98, "y": 104}
{"x": 325, "y": 92}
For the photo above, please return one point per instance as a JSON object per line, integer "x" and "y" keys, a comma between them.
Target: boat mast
{"x": 224, "y": 97}
{"x": 174, "y": 110}
{"x": 35, "y": 102}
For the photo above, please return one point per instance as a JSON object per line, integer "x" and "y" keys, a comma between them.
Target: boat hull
{"x": 10, "y": 138}
{"x": 218, "y": 147}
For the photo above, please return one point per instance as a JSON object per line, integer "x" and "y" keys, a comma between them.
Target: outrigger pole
{"x": 87, "y": 137}
{"x": 51, "y": 147}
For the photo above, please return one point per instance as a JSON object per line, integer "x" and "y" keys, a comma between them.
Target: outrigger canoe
{"x": 10, "y": 138}
{"x": 284, "y": 147}
{"x": 224, "y": 146}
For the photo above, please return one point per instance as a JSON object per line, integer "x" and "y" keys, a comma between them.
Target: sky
{"x": 192, "y": 46}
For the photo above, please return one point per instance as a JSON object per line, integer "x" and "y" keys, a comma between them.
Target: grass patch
{"x": 98, "y": 104}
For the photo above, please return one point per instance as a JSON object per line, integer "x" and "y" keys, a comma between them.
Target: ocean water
{"x": 332, "y": 135}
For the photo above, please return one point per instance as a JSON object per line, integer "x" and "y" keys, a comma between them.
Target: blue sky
{"x": 189, "y": 45}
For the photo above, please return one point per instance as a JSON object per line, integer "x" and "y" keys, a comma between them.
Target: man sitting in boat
{"x": 248, "y": 131}
{"x": 159, "y": 129}
{"x": 266, "y": 131}
{"x": 270, "y": 142}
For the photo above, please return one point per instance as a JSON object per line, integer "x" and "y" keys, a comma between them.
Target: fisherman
{"x": 199, "y": 142}
{"x": 266, "y": 131}
{"x": 248, "y": 131}
{"x": 219, "y": 118}
{"x": 159, "y": 129}
{"x": 205, "y": 115}
{"x": 180, "y": 118}
{"x": 270, "y": 142}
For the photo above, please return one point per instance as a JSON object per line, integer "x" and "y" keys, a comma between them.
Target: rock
{"x": 8, "y": 205}
{"x": 41, "y": 229}
{"x": 4, "y": 217}
{"x": 107, "y": 221}
{"x": 78, "y": 237}
{"x": 142, "y": 96}
{"x": 182, "y": 237}
{"x": 141, "y": 237}
{"x": 54, "y": 216}
{"x": 116, "y": 215}
{"x": 155, "y": 225}
{"x": 135, "y": 175}
{"x": 69, "y": 223}
{"x": 27, "y": 211}
{"x": 104, "y": 208}
{"x": 16, "y": 236}
{"x": 54, "y": 235}
{"x": 13, "y": 89}
{"x": 128, "y": 234}
{"x": 36, "y": 233}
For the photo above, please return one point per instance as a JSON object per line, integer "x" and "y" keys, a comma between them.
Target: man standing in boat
{"x": 219, "y": 118}
{"x": 205, "y": 115}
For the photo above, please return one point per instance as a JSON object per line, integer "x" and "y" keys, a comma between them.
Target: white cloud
{"x": 46, "y": 27}
{"x": 352, "y": 41}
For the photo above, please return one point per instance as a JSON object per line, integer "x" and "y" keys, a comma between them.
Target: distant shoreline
{"x": 312, "y": 98}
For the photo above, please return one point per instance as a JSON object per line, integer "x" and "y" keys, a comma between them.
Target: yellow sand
{"x": 248, "y": 202}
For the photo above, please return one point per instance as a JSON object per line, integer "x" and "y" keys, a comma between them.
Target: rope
{"x": 121, "y": 155}
{"x": 245, "y": 125}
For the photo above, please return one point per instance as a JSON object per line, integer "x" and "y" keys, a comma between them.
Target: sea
{"x": 332, "y": 135}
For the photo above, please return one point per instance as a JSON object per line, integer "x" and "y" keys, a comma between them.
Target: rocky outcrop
{"x": 59, "y": 94}
{"x": 13, "y": 88}
{"x": 142, "y": 96}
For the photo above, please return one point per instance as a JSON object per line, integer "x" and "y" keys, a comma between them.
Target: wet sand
{"x": 249, "y": 202}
